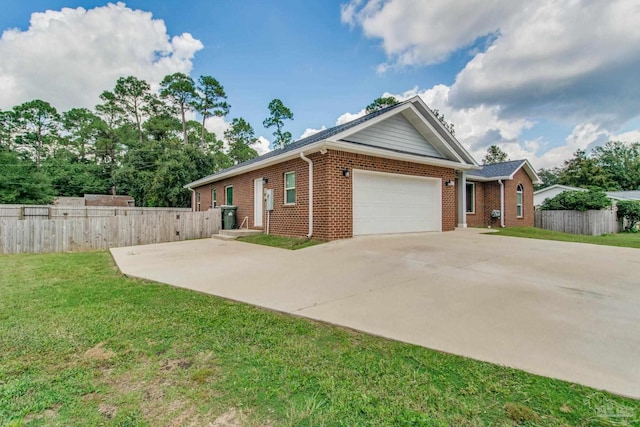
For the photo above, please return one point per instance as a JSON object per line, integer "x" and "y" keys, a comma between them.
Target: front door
{"x": 257, "y": 202}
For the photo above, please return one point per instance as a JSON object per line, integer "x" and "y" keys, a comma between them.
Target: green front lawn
{"x": 280, "y": 241}
{"x": 82, "y": 345}
{"x": 628, "y": 240}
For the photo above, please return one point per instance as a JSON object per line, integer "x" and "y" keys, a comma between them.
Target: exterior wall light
{"x": 265, "y": 180}
{"x": 345, "y": 172}
{"x": 450, "y": 183}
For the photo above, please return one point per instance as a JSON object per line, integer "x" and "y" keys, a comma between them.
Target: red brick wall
{"x": 488, "y": 199}
{"x": 333, "y": 210}
{"x": 476, "y": 219}
{"x": 510, "y": 191}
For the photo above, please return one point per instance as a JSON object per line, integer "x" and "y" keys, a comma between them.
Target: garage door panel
{"x": 392, "y": 203}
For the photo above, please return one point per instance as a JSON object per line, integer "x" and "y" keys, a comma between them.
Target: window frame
{"x": 473, "y": 197}
{"x": 198, "y": 199}
{"x": 214, "y": 198}
{"x": 287, "y": 189}
{"x": 520, "y": 201}
{"x": 226, "y": 195}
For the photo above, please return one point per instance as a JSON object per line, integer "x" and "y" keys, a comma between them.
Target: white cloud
{"x": 347, "y": 117}
{"x": 568, "y": 61}
{"x": 217, "y": 125}
{"x": 309, "y": 131}
{"x": 68, "y": 57}
{"x": 631, "y": 136}
{"x": 421, "y": 32}
{"x": 263, "y": 146}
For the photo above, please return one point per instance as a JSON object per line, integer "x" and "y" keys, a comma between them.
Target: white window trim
{"x": 214, "y": 200}
{"x": 226, "y": 202}
{"x": 284, "y": 177}
{"x": 473, "y": 197}
{"x": 520, "y": 191}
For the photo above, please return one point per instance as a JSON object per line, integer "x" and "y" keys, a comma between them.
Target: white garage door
{"x": 391, "y": 203}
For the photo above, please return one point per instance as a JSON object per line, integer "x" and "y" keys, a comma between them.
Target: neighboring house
{"x": 624, "y": 195}
{"x": 548, "y": 192}
{"x": 396, "y": 170}
{"x": 501, "y": 195}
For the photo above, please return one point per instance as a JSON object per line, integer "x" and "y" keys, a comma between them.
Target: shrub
{"x": 630, "y": 210}
{"x": 577, "y": 201}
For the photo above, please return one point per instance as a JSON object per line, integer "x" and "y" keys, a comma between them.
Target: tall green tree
{"x": 8, "y": 128}
{"x": 211, "y": 102}
{"x": 132, "y": 95}
{"x": 240, "y": 138}
{"x": 38, "y": 124}
{"x": 621, "y": 161}
{"x": 548, "y": 177}
{"x": 114, "y": 130}
{"x": 278, "y": 113}
{"x": 21, "y": 181}
{"x": 380, "y": 103}
{"x": 72, "y": 176}
{"x": 82, "y": 129}
{"x": 180, "y": 90}
{"x": 583, "y": 171}
{"x": 494, "y": 155}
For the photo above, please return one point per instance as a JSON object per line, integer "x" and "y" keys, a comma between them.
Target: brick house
{"x": 501, "y": 195}
{"x": 396, "y": 170}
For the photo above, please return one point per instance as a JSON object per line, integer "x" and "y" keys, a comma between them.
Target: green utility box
{"x": 228, "y": 217}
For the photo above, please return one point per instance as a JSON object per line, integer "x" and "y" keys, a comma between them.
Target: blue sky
{"x": 538, "y": 87}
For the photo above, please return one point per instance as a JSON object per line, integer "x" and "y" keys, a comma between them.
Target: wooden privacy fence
{"x": 100, "y": 233}
{"x": 593, "y": 223}
{"x": 51, "y": 212}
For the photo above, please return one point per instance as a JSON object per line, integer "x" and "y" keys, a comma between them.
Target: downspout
{"x": 501, "y": 203}
{"x": 302, "y": 156}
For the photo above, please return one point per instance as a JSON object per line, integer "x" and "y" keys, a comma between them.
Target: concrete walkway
{"x": 564, "y": 310}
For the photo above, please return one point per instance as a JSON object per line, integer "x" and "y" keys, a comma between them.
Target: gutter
{"x": 501, "y": 203}
{"x": 302, "y": 156}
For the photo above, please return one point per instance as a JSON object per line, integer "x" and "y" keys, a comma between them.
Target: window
{"x": 198, "y": 201}
{"x": 228, "y": 195}
{"x": 471, "y": 197}
{"x": 214, "y": 198}
{"x": 519, "y": 200}
{"x": 289, "y": 188}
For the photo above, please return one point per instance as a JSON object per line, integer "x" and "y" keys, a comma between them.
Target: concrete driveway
{"x": 563, "y": 310}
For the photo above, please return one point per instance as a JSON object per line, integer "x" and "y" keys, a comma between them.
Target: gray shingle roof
{"x": 625, "y": 195}
{"x": 497, "y": 170}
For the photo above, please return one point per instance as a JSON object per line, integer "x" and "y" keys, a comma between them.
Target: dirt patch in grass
{"x": 49, "y": 414}
{"x": 107, "y": 411}
{"x": 231, "y": 418}
{"x": 99, "y": 352}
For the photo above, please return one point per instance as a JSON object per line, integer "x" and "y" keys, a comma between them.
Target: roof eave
{"x": 339, "y": 146}
{"x": 313, "y": 147}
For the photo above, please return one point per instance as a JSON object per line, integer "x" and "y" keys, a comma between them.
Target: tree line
{"x": 135, "y": 142}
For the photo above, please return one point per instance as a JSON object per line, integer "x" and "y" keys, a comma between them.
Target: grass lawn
{"x": 280, "y": 241}
{"x": 82, "y": 345}
{"x": 628, "y": 240}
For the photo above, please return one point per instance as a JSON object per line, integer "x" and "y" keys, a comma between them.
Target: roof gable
{"x": 395, "y": 133}
{"x": 438, "y": 145}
